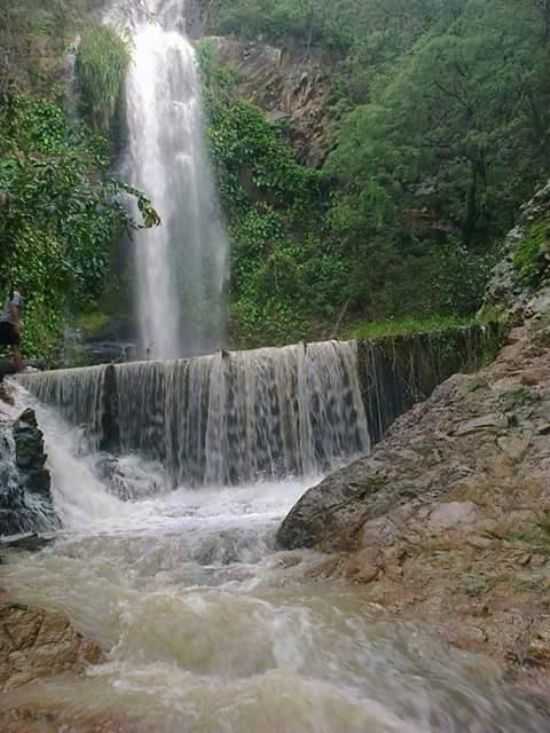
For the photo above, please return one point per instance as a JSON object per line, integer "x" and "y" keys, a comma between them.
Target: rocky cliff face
{"x": 290, "y": 86}
{"x": 520, "y": 284}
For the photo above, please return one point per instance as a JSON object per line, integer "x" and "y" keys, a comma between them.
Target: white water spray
{"x": 182, "y": 265}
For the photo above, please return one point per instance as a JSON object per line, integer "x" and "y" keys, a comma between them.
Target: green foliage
{"x": 339, "y": 25}
{"x": 406, "y": 326}
{"x": 529, "y": 259}
{"x": 59, "y": 214}
{"x": 441, "y": 114}
{"x": 286, "y": 279}
{"x": 101, "y": 63}
{"x": 34, "y": 36}
{"x": 91, "y": 322}
{"x": 455, "y": 131}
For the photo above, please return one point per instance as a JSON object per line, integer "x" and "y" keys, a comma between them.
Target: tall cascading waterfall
{"x": 182, "y": 265}
{"x": 223, "y": 420}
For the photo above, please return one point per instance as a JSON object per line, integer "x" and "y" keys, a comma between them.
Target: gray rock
{"x": 454, "y": 514}
{"x": 292, "y": 86}
{"x": 505, "y": 291}
{"x": 25, "y": 484}
{"x": 487, "y": 422}
{"x": 515, "y": 446}
{"x": 28, "y": 542}
{"x": 336, "y": 505}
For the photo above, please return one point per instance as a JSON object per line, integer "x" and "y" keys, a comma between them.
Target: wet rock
{"x": 26, "y": 503}
{"x": 379, "y": 532}
{"x": 6, "y": 369}
{"x": 506, "y": 293}
{"x": 539, "y": 646}
{"x": 28, "y": 542}
{"x": 326, "y": 511}
{"x": 445, "y": 523}
{"x": 131, "y": 478}
{"x": 6, "y": 394}
{"x": 365, "y": 566}
{"x": 59, "y": 718}
{"x": 35, "y": 644}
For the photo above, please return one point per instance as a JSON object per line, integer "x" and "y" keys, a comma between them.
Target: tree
{"x": 60, "y": 213}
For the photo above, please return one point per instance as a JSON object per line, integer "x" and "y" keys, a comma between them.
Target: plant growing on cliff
{"x": 286, "y": 279}
{"x": 530, "y": 257}
{"x": 101, "y": 64}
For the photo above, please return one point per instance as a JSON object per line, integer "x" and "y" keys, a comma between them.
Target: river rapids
{"x": 209, "y": 629}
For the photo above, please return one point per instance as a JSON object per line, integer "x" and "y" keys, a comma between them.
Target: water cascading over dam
{"x": 222, "y": 419}
{"x": 236, "y": 417}
{"x": 182, "y": 265}
{"x": 208, "y": 626}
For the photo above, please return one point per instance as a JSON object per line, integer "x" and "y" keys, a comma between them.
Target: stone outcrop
{"x": 35, "y": 644}
{"x": 290, "y": 86}
{"x": 25, "y": 484}
{"x": 469, "y": 423}
{"x": 508, "y": 294}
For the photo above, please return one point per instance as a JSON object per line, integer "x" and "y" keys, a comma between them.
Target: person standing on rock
{"x": 11, "y": 325}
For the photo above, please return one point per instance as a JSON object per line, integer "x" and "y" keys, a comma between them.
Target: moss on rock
{"x": 530, "y": 257}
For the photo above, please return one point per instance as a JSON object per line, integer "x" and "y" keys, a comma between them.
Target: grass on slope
{"x": 405, "y": 326}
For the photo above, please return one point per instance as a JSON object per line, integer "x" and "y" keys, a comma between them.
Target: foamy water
{"x": 209, "y": 629}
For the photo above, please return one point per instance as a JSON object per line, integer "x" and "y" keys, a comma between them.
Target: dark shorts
{"x": 8, "y": 334}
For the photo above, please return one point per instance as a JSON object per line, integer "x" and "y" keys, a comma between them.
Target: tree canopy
{"x": 441, "y": 119}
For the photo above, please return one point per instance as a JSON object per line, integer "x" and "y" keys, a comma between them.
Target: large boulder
{"x": 36, "y": 644}
{"x": 497, "y": 417}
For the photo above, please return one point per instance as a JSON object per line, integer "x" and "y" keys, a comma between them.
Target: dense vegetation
{"x": 101, "y": 63}
{"x": 440, "y": 116}
{"x": 60, "y": 211}
{"x": 441, "y": 113}
{"x": 283, "y": 273}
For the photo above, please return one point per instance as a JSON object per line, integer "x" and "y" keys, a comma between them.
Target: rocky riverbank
{"x": 447, "y": 522}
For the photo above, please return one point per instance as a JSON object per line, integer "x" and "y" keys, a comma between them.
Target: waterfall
{"x": 182, "y": 265}
{"x": 222, "y": 419}
{"x": 235, "y": 417}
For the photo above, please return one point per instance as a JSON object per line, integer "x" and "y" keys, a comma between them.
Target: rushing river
{"x": 208, "y": 629}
